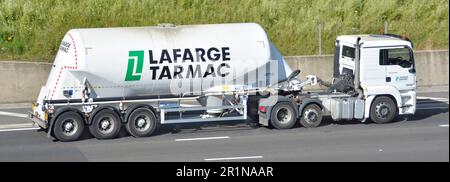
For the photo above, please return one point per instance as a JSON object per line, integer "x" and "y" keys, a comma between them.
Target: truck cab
{"x": 386, "y": 64}
{"x": 374, "y": 77}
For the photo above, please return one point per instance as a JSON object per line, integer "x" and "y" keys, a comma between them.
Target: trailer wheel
{"x": 311, "y": 116}
{"x": 383, "y": 110}
{"x": 283, "y": 116}
{"x": 69, "y": 126}
{"x": 141, "y": 123}
{"x": 105, "y": 124}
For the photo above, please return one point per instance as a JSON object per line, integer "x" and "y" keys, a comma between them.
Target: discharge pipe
{"x": 356, "y": 81}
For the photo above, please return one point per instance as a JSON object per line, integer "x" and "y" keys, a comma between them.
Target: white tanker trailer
{"x": 142, "y": 77}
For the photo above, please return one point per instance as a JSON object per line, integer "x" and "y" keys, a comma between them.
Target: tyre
{"x": 141, "y": 123}
{"x": 69, "y": 126}
{"x": 383, "y": 110}
{"x": 283, "y": 116}
{"x": 311, "y": 116}
{"x": 105, "y": 124}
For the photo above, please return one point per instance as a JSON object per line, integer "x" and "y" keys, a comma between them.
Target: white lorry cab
{"x": 386, "y": 67}
{"x": 144, "y": 77}
{"x": 374, "y": 77}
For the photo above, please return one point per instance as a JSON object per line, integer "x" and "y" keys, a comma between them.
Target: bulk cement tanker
{"x": 99, "y": 67}
{"x": 142, "y": 77}
{"x": 123, "y": 62}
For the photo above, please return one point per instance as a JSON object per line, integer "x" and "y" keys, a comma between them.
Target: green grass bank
{"x": 33, "y": 29}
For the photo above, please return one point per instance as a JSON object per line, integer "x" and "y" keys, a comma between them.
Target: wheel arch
{"x": 372, "y": 92}
{"x": 98, "y": 109}
{"x": 388, "y": 91}
{"x": 306, "y": 102}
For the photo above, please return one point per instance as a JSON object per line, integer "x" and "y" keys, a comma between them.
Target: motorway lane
{"x": 423, "y": 137}
{"x": 414, "y": 140}
{"x": 433, "y": 94}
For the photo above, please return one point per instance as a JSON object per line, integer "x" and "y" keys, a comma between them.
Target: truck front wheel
{"x": 383, "y": 110}
{"x": 283, "y": 116}
{"x": 105, "y": 124}
{"x": 69, "y": 126}
{"x": 141, "y": 123}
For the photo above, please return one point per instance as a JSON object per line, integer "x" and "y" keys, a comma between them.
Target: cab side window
{"x": 397, "y": 56}
{"x": 348, "y": 52}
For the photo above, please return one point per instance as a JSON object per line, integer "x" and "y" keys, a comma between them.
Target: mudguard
{"x": 98, "y": 109}
{"x": 307, "y": 101}
{"x": 131, "y": 108}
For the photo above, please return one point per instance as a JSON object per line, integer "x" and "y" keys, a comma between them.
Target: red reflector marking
{"x": 262, "y": 108}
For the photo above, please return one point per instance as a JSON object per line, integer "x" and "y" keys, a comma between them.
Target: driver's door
{"x": 399, "y": 66}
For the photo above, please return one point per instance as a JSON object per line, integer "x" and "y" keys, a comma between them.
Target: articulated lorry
{"x": 144, "y": 77}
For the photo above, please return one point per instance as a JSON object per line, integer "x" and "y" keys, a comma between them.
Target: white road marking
{"x": 234, "y": 158}
{"x": 20, "y": 125}
{"x": 443, "y": 125}
{"x": 432, "y": 102}
{"x": 206, "y": 138}
{"x": 18, "y": 129}
{"x": 189, "y": 105}
{"x": 430, "y": 108}
{"x": 15, "y": 106}
{"x": 20, "y": 115}
{"x": 432, "y": 98}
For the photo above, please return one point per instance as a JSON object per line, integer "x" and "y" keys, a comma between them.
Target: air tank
{"x": 162, "y": 60}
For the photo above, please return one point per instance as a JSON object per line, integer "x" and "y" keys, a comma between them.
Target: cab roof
{"x": 375, "y": 40}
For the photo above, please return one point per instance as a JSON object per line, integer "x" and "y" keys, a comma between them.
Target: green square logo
{"x": 135, "y": 65}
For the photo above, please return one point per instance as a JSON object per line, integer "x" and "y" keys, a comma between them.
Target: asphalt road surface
{"x": 422, "y": 137}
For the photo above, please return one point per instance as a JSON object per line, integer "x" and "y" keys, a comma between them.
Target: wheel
{"x": 311, "y": 116}
{"x": 383, "y": 110}
{"x": 69, "y": 126}
{"x": 141, "y": 123}
{"x": 283, "y": 116}
{"x": 105, "y": 124}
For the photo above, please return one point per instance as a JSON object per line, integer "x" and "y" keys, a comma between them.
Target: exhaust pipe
{"x": 356, "y": 81}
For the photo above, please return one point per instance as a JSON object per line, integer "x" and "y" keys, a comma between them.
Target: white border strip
{"x": 206, "y": 138}
{"x": 234, "y": 158}
{"x": 20, "y": 115}
{"x": 433, "y": 98}
{"x": 443, "y": 125}
{"x": 18, "y": 129}
{"x": 15, "y": 126}
{"x": 430, "y": 108}
{"x": 433, "y": 102}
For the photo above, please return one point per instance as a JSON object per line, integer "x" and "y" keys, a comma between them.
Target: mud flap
{"x": 50, "y": 129}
